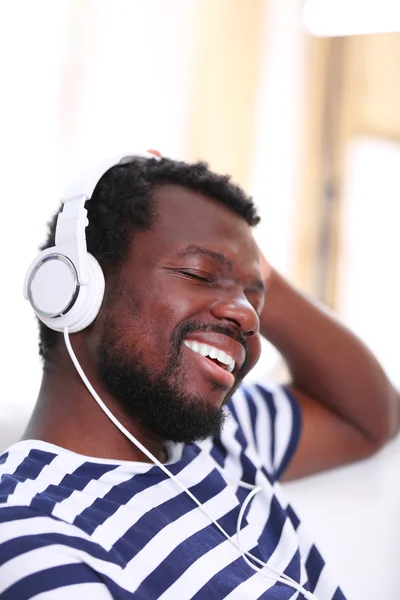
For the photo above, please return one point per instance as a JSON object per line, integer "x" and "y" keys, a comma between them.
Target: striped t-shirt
{"x": 77, "y": 527}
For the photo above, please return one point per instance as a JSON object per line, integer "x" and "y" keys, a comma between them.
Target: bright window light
{"x": 327, "y": 18}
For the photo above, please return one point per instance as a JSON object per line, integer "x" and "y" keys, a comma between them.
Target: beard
{"x": 159, "y": 400}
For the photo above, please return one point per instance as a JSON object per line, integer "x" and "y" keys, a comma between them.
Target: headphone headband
{"x": 86, "y": 181}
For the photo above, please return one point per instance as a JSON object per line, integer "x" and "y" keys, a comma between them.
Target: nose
{"x": 240, "y": 312}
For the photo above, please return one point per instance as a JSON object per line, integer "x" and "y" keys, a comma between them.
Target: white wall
{"x": 117, "y": 72}
{"x": 80, "y": 81}
{"x": 369, "y": 291}
{"x": 353, "y": 515}
{"x": 354, "y": 511}
{"x": 276, "y": 148}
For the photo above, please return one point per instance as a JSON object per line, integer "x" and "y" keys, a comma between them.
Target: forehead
{"x": 187, "y": 217}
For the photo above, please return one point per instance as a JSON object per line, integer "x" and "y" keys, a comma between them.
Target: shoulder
{"x": 269, "y": 417}
{"x": 266, "y": 401}
{"x": 40, "y": 553}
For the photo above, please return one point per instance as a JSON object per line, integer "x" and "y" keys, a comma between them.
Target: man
{"x": 84, "y": 513}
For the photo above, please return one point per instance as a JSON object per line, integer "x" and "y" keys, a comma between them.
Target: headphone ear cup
{"x": 87, "y": 304}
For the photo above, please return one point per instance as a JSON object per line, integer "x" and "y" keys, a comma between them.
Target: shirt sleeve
{"x": 44, "y": 566}
{"x": 270, "y": 418}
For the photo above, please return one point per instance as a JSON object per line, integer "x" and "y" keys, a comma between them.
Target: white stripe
{"x": 88, "y": 591}
{"x": 263, "y": 428}
{"x": 243, "y": 413}
{"x": 233, "y": 466}
{"x": 305, "y": 544}
{"x": 197, "y": 575}
{"x": 51, "y": 474}
{"x": 109, "y": 532}
{"x": 14, "y": 459}
{"x": 42, "y": 555}
{"x": 252, "y": 588}
{"x": 69, "y": 508}
{"x": 38, "y": 525}
{"x": 284, "y": 551}
{"x": 158, "y": 548}
{"x": 200, "y": 572}
{"x": 326, "y": 586}
{"x": 251, "y": 451}
{"x": 161, "y": 545}
{"x": 27, "y": 564}
{"x": 280, "y": 495}
{"x": 305, "y": 547}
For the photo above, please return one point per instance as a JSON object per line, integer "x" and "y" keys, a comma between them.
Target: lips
{"x": 224, "y": 362}
{"x": 210, "y": 369}
{"x": 220, "y": 357}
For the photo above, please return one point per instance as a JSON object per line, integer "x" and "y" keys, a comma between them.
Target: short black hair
{"x": 122, "y": 203}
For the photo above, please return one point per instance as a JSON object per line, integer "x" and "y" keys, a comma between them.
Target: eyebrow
{"x": 222, "y": 259}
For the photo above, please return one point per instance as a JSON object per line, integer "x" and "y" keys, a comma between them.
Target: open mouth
{"x": 216, "y": 356}
{"x": 216, "y": 369}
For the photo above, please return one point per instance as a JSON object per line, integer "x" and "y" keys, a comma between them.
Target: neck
{"x": 67, "y": 415}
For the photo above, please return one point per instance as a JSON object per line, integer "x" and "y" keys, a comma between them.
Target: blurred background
{"x": 299, "y": 101}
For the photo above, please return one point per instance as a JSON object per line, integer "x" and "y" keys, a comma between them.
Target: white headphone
{"x": 65, "y": 284}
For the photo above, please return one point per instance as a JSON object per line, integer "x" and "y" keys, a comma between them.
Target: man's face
{"x": 182, "y": 331}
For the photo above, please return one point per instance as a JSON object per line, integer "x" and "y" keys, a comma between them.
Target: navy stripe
{"x": 188, "y": 552}
{"x": 8, "y": 485}
{"x": 272, "y": 532}
{"x": 295, "y": 433}
{"x": 269, "y": 400}
{"x": 50, "y": 579}
{"x": 239, "y": 435}
{"x": 190, "y": 451}
{"x": 155, "y": 519}
{"x": 152, "y": 521}
{"x": 29, "y": 468}
{"x": 314, "y": 566}
{"x": 16, "y": 513}
{"x": 3, "y": 458}
{"x": 119, "y": 495}
{"x": 225, "y": 581}
{"x": 249, "y": 470}
{"x": 293, "y": 517}
{"x": 218, "y": 451}
{"x": 253, "y": 412}
{"x": 338, "y": 595}
{"x": 25, "y": 543}
{"x": 293, "y": 569}
{"x": 33, "y": 464}
{"x": 77, "y": 480}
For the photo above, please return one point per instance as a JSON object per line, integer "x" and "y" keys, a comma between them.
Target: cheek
{"x": 254, "y": 346}
{"x": 152, "y": 313}
{"x": 150, "y": 328}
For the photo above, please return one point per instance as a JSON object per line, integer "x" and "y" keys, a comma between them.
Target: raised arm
{"x": 349, "y": 407}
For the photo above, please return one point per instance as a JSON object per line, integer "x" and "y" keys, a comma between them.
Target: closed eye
{"x": 196, "y": 276}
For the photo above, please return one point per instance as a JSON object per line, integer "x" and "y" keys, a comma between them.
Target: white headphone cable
{"x": 280, "y": 576}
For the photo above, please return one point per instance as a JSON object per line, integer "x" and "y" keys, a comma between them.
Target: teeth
{"x": 206, "y": 350}
{"x": 203, "y": 349}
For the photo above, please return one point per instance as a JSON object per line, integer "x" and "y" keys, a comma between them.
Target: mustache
{"x": 197, "y": 326}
